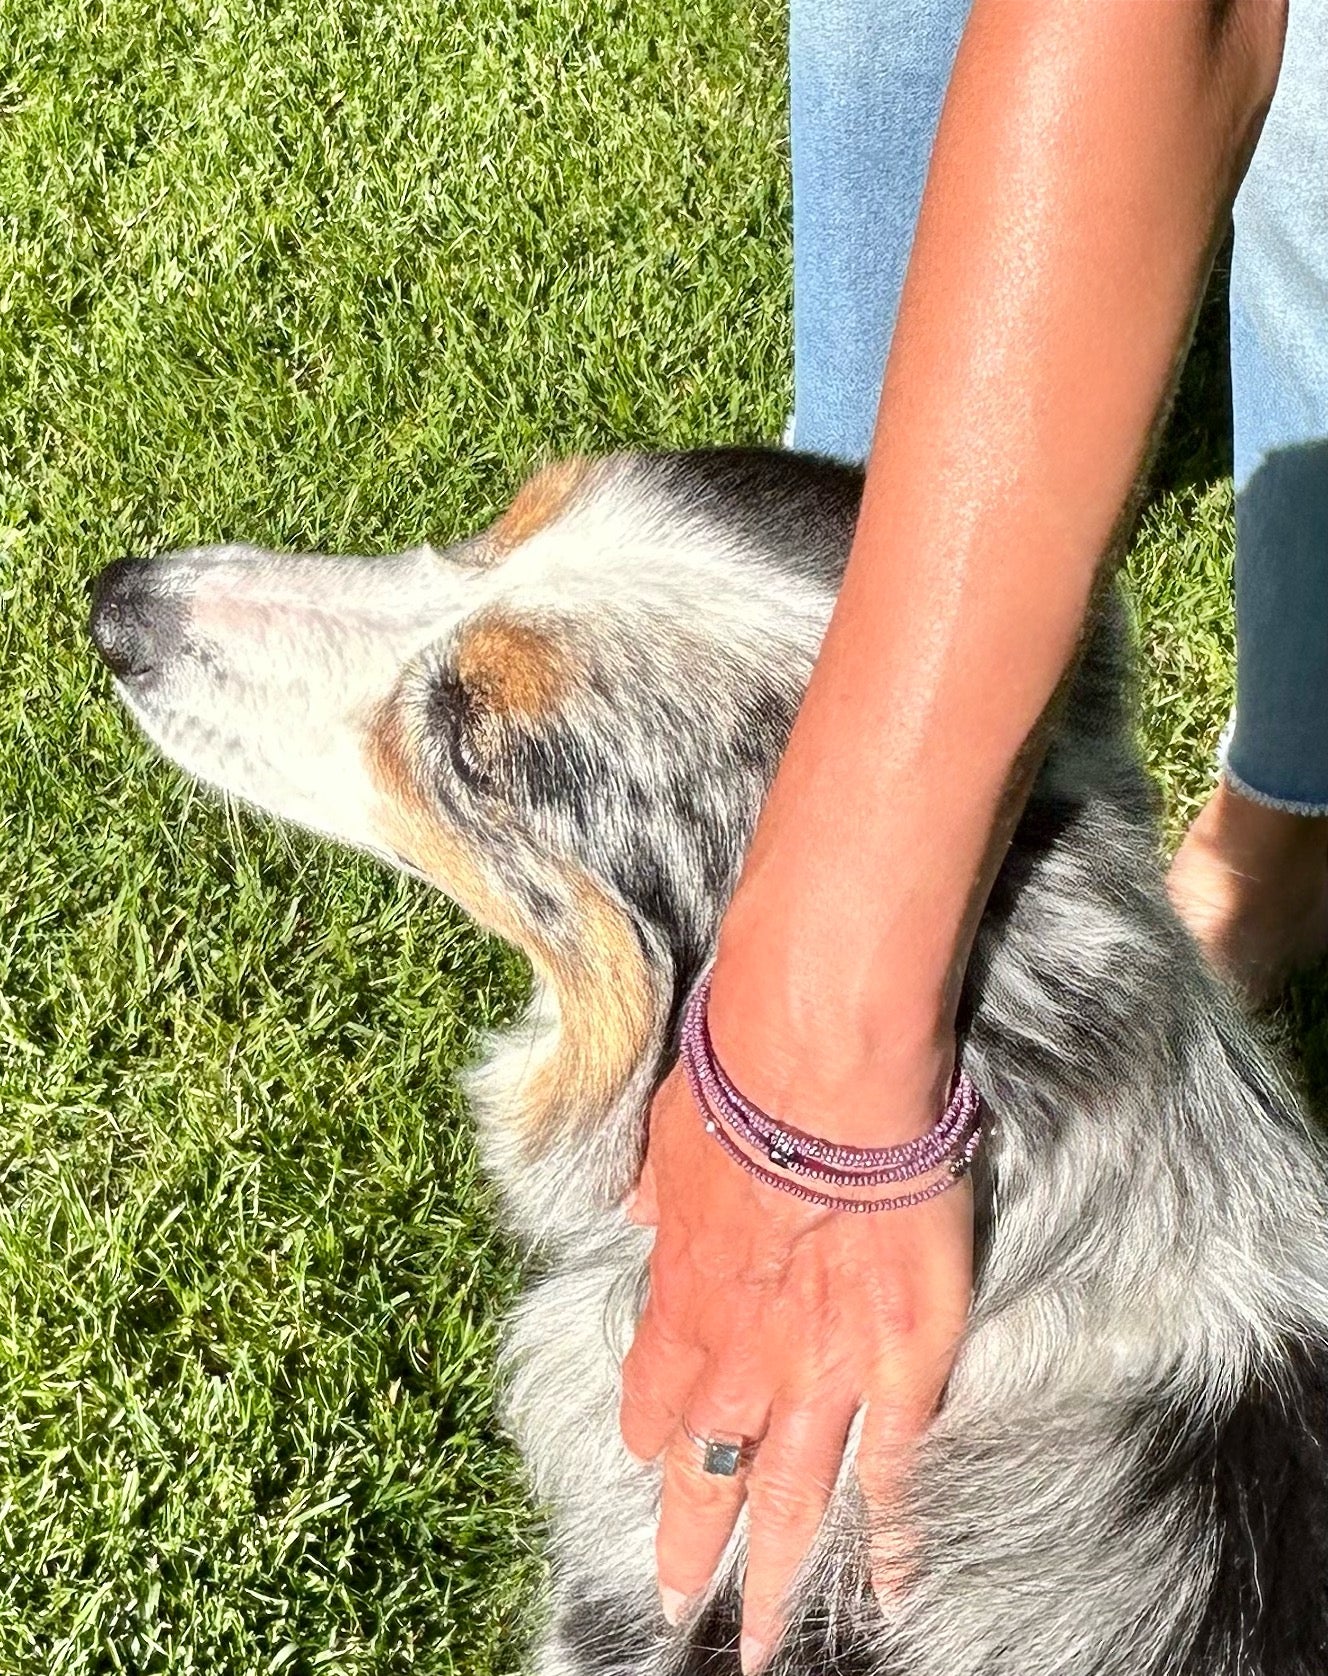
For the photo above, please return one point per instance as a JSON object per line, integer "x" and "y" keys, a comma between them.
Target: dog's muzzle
{"x": 134, "y": 623}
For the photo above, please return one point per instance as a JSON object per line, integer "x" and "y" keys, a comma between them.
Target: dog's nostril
{"x": 118, "y": 640}
{"x": 128, "y": 618}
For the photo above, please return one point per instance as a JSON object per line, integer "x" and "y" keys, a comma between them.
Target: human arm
{"x": 1085, "y": 162}
{"x": 1083, "y": 169}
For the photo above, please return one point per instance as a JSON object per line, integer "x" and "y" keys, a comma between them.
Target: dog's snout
{"x": 134, "y": 624}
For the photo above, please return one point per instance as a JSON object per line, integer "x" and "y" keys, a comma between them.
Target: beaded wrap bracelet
{"x": 948, "y": 1147}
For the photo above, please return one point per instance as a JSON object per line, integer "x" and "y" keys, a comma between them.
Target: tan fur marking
{"x": 513, "y": 668}
{"x": 538, "y": 502}
{"x": 593, "y": 961}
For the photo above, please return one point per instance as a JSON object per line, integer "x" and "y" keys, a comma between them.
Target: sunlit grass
{"x": 325, "y": 277}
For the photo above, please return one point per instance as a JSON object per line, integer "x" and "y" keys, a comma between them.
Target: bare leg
{"x": 1251, "y": 878}
{"x": 1251, "y": 883}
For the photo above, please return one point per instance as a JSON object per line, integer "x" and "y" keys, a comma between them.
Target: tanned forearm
{"x": 1086, "y": 161}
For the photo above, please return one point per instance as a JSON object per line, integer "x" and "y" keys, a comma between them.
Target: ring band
{"x": 722, "y": 1455}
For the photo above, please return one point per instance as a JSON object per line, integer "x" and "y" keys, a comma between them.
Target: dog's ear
{"x": 508, "y": 676}
{"x": 540, "y": 501}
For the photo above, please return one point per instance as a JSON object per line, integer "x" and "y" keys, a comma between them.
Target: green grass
{"x": 328, "y": 277}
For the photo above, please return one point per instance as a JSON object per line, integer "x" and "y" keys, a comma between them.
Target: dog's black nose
{"x": 134, "y": 625}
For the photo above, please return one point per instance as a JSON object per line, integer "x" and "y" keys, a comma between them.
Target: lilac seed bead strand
{"x": 951, "y": 1144}
{"x": 910, "y": 1158}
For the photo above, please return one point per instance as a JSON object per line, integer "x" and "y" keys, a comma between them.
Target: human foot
{"x": 1251, "y": 883}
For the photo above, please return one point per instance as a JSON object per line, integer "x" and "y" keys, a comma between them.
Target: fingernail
{"x": 752, "y": 1655}
{"x": 673, "y": 1604}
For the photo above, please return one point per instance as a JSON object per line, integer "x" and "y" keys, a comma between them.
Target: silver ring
{"x": 724, "y": 1453}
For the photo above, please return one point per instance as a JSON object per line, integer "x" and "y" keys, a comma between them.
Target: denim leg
{"x": 867, "y": 81}
{"x": 1278, "y": 748}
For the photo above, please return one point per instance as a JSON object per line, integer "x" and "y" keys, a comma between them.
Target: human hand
{"x": 775, "y": 1320}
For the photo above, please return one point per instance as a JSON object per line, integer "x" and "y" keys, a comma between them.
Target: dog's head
{"x": 566, "y": 723}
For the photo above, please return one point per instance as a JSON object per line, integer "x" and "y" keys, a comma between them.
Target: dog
{"x": 568, "y": 724}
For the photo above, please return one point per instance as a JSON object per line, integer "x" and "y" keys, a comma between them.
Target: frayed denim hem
{"x": 1242, "y": 788}
{"x": 1287, "y": 804}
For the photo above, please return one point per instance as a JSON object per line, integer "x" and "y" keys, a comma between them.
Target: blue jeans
{"x": 867, "y": 81}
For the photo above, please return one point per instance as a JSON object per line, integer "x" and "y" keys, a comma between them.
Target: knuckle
{"x": 899, "y": 1418}
{"x": 782, "y": 1502}
{"x": 886, "y": 1447}
{"x": 728, "y": 1408}
{"x": 739, "y": 1377}
{"x": 703, "y": 1492}
{"x": 635, "y": 1414}
{"x": 896, "y": 1311}
{"x": 665, "y": 1314}
{"x": 636, "y": 1436}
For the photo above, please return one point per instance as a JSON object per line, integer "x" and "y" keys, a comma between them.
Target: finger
{"x": 893, "y": 1428}
{"x": 698, "y": 1509}
{"x": 788, "y": 1491}
{"x": 658, "y": 1375}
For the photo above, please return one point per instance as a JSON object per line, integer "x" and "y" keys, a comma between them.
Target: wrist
{"x": 862, "y": 1069}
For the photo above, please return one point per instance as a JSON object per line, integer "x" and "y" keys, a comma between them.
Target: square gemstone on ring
{"x": 722, "y": 1459}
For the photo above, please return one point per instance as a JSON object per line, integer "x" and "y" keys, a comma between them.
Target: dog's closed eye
{"x": 505, "y": 676}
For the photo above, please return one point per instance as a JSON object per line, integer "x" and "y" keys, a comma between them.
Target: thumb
{"x": 642, "y": 1206}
